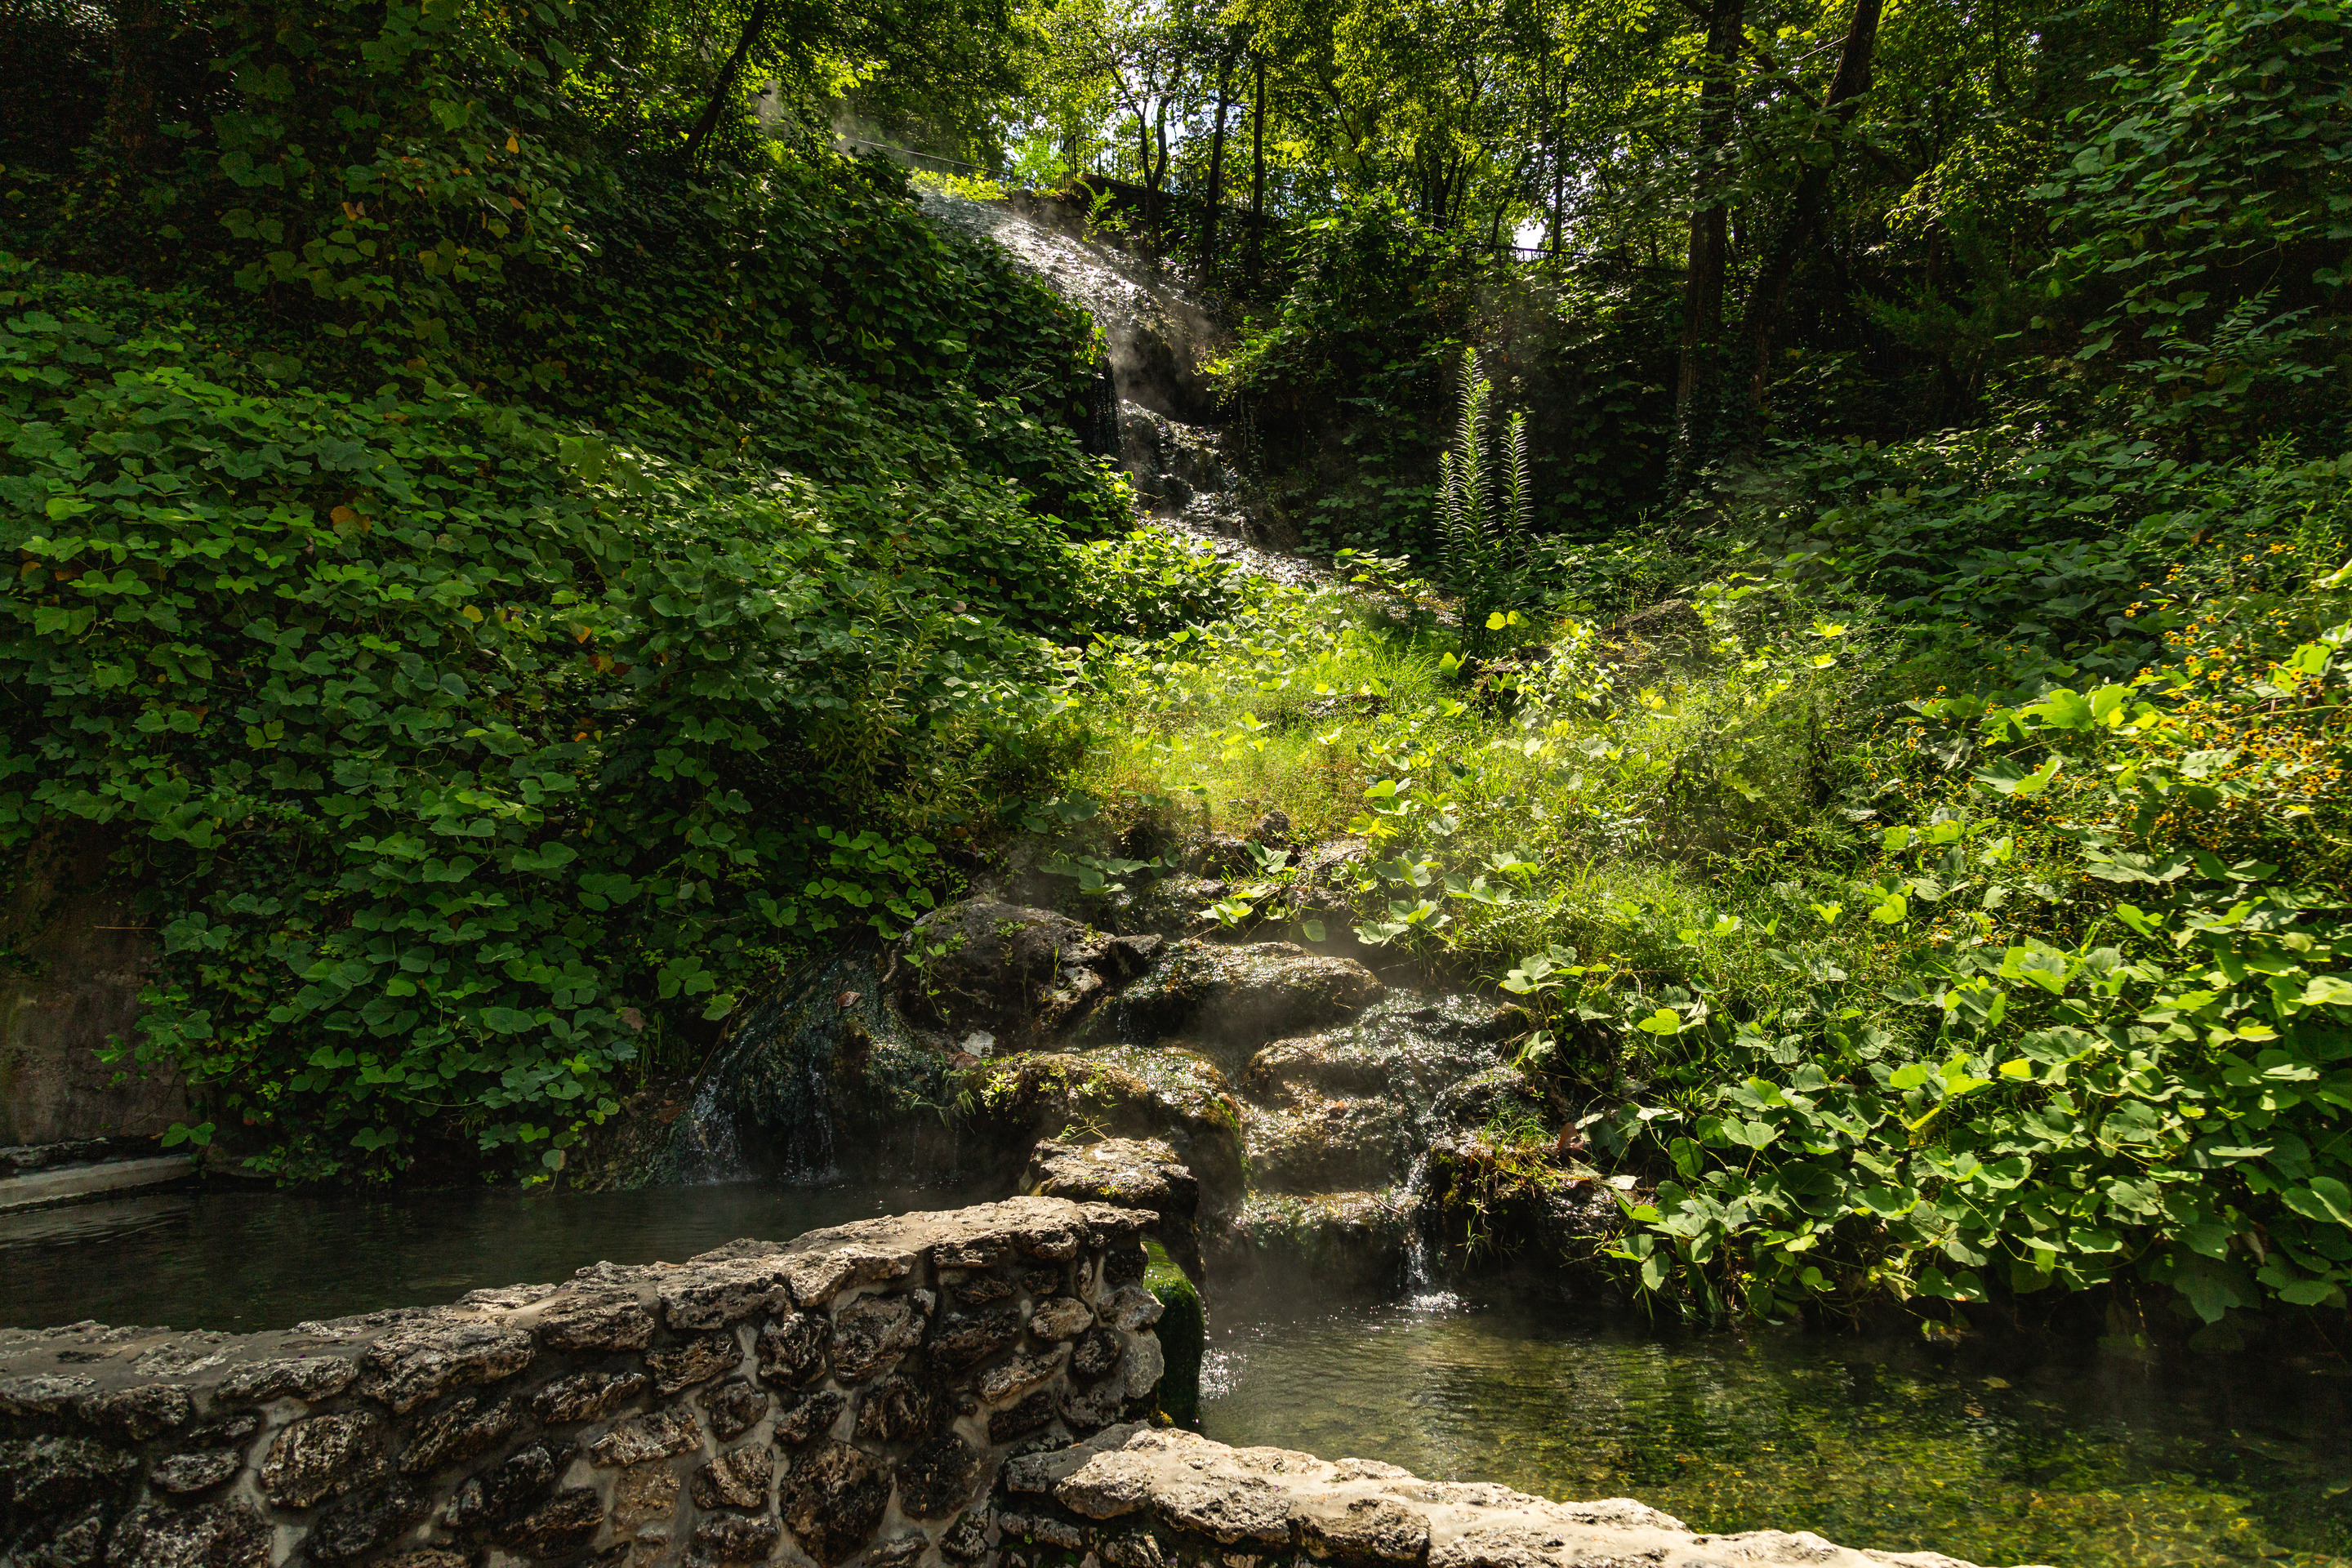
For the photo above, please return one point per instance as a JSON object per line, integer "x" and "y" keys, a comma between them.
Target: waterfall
{"x": 1160, "y": 339}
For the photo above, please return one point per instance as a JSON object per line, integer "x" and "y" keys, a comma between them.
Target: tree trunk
{"x": 1216, "y": 173}
{"x": 753, "y": 25}
{"x": 1257, "y": 181}
{"x": 129, "y": 131}
{"x": 1695, "y": 384}
{"x": 1767, "y": 305}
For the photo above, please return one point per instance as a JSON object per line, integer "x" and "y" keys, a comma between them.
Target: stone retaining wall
{"x": 954, "y": 1389}
{"x": 850, "y": 1392}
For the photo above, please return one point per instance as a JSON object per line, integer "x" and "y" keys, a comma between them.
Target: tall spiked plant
{"x": 1482, "y": 514}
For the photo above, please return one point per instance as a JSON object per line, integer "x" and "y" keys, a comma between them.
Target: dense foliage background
{"x": 519, "y": 526}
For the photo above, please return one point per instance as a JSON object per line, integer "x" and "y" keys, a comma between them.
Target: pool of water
{"x": 2075, "y": 1458}
{"x": 2068, "y": 1456}
{"x": 247, "y": 1260}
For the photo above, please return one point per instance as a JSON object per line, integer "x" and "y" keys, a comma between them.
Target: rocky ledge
{"x": 1140, "y": 1497}
{"x": 976, "y": 1388}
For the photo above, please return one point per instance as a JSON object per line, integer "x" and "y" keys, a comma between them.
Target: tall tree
{"x": 1695, "y": 383}
{"x": 1768, "y": 300}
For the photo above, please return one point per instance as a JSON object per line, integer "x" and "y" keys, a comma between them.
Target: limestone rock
{"x": 322, "y": 1457}
{"x": 1139, "y": 1173}
{"x": 302, "y": 1377}
{"x": 1018, "y": 1375}
{"x": 656, "y": 1435}
{"x": 183, "y": 1473}
{"x": 733, "y": 1538}
{"x": 870, "y": 1335}
{"x": 466, "y": 1428}
{"x": 1236, "y": 998}
{"x": 965, "y": 1339}
{"x": 939, "y": 1477}
{"x": 737, "y": 1479}
{"x": 560, "y": 1527}
{"x": 809, "y": 1419}
{"x": 138, "y": 1414}
{"x": 1017, "y": 975}
{"x": 793, "y": 1349}
{"x": 896, "y": 1409}
{"x": 1060, "y": 1318}
{"x": 699, "y": 1360}
{"x": 409, "y": 1366}
{"x": 1175, "y": 1096}
{"x": 507, "y": 1488}
{"x": 607, "y": 1321}
{"x": 645, "y": 1496}
{"x": 214, "y": 1535}
{"x": 712, "y": 1295}
{"x": 364, "y": 1521}
{"x": 833, "y": 1499}
{"x": 586, "y": 1396}
{"x": 734, "y": 1408}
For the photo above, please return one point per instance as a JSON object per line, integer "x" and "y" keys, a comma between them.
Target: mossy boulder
{"x": 1013, "y": 976}
{"x": 1231, "y": 1000}
{"x": 1117, "y": 1091}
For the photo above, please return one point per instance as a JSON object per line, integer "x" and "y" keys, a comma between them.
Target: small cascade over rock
{"x": 1160, "y": 339}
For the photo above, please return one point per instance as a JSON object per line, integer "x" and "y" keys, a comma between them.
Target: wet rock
{"x": 812, "y": 1417}
{"x": 1175, "y": 1096}
{"x": 734, "y": 1408}
{"x": 586, "y": 1396}
{"x": 1354, "y": 1238}
{"x": 1017, "y": 975}
{"x": 299, "y": 1377}
{"x": 733, "y": 1538}
{"x": 507, "y": 1488}
{"x": 468, "y": 1427}
{"x": 184, "y": 1474}
{"x": 1139, "y": 1173}
{"x": 409, "y": 1366}
{"x": 833, "y": 1500}
{"x": 213, "y": 1535}
{"x": 870, "y": 1335}
{"x": 135, "y": 1415}
{"x": 1334, "y": 1146}
{"x": 965, "y": 1339}
{"x": 364, "y": 1522}
{"x": 793, "y": 1349}
{"x": 896, "y": 1409}
{"x": 560, "y": 1527}
{"x": 738, "y": 1480}
{"x": 323, "y": 1456}
{"x": 656, "y": 1435}
{"x": 699, "y": 1360}
{"x": 612, "y": 1322}
{"x": 939, "y": 1477}
{"x": 1238, "y": 998}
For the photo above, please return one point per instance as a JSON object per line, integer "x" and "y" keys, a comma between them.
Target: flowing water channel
{"x": 2068, "y": 1456}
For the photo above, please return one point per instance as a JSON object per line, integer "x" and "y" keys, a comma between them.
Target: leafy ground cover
{"x": 1939, "y": 996}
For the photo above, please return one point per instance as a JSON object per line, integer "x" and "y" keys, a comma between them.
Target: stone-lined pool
{"x": 2073, "y": 1457}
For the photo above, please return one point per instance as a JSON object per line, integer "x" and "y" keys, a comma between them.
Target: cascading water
{"x": 1160, "y": 339}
